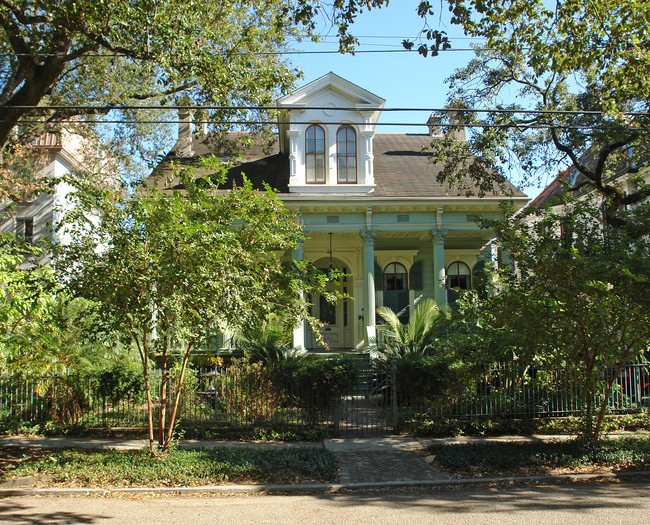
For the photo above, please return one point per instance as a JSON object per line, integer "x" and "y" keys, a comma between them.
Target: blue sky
{"x": 403, "y": 79}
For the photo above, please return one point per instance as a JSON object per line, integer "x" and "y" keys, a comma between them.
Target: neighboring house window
{"x": 459, "y": 276}
{"x": 346, "y": 155}
{"x": 315, "y": 154}
{"x": 25, "y": 228}
{"x": 396, "y": 290}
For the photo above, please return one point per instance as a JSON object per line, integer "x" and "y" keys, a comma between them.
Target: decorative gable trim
{"x": 331, "y": 102}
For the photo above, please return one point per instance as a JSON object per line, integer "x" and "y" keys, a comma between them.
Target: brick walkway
{"x": 382, "y": 459}
{"x": 372, "y": 466}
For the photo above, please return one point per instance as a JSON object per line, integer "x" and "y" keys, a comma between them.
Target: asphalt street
{"x": 580, "y": 503}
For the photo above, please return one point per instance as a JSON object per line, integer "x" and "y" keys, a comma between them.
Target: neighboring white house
{"x": 369, "y": 202}
{"x": 37, "y": 218}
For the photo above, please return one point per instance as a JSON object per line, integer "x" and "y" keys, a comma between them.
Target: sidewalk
{"x": 363, "y": 463}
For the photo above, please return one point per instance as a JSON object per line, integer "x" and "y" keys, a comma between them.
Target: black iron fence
{"x": 250, "y": 396}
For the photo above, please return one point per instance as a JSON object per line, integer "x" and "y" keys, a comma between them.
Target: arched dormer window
{"x": 315, "y": 154}
{"x": 346, "y": 155}
{"x": 459, "y": 276}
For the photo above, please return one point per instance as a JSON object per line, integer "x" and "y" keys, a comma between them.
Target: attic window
{"x": 403, "y": 218}
{"x": 315, "y": 154}
{"x": 346, "y": 155}
{"x": 332, "y": 219}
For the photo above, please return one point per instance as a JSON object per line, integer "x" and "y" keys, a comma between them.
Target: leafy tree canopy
{"x": 576, "y": 80}
{"x": 62, "y": 56}
{"x": 116, "y": 54}
{"x": 43, "y": 330}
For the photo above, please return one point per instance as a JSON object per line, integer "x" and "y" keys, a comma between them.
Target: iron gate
{"x": 369, "y": 408}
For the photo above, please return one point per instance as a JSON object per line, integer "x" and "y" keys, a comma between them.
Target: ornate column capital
{"x": 368, "y": 237}
{"x": 438, "y": 236}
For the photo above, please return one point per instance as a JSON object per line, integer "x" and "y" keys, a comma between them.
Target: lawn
{"x": 469, "y": 460}
{"x": 128, "y": 468}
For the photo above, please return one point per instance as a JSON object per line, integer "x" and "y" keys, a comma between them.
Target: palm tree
{"x": 426, "y": 325}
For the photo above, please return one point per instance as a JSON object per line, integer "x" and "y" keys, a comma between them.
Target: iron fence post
{"x": 393, "y": 390}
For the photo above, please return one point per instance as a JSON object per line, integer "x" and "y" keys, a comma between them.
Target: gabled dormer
{"x": 330, "y": 149}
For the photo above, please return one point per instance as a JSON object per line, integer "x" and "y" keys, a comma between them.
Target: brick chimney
{"x": 435, "y": 125}
{"x": 457, "y": 133}
{"x": 184, "y": 146}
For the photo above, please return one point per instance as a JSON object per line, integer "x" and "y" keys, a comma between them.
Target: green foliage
{"x": 423, "y": 425}
{"x": 632, "y": 452}
{"x": 586, "y": 282}
{"x": 160, "y": 53}
{"x": 181, "y": 467}
{"x": 43, "y": 330}
{"x": 293, "y": 433}
{"x": 575, "y": 78}
{"x": 319, "y": 380}
{"x": 165, "y": 268}
{"x": 121, "y": 381}
{"x": 421, "y": 377}
{"x": 267, "y": 342}
{"x": 421, "y": 334}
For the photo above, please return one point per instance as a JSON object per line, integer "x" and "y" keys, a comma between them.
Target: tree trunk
{"x": 163, "y": 399}
{"x": 172, "y": 419}
{"x": 147, "y": 387}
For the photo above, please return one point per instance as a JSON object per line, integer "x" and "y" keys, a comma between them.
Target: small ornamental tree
{"x": 167, "y": 266}
{"x": 576, "y": 298}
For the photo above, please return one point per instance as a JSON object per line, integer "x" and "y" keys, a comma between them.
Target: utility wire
{"x": 257, "y": 53}
{"x": 175, "y": 107}
{"x": 360, "y": 124}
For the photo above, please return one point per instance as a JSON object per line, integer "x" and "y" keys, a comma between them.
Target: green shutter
{"x": 416, "y": 276}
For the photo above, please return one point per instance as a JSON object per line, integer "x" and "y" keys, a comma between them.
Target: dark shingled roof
{"x": 401, "y": 168}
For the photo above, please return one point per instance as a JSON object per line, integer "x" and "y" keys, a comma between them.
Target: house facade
{"x": 370, "y": 206}
{"x": 37, "y": 218}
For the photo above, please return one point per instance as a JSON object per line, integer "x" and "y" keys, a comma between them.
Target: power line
{"x": 175, "y": 107}
{"x": 342, "y": 123}
{"x": 255, "y": 53}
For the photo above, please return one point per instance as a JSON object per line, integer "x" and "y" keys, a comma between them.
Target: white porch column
{"x": 368, "y": 242}
{"x": 439, "y": 289}
{"x": 299, "y": 331}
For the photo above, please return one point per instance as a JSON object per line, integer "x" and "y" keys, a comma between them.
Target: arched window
{"x": 315, "y": 154}
{"x": 459, "y": 276}
{"x": 395, "y": 277}
{"x": 396, "y": 290}
{"x": 346, "y": 155}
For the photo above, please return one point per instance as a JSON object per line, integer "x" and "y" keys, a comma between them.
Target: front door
{"x": 336, "y": 319}
{"x": 329, "y": 315}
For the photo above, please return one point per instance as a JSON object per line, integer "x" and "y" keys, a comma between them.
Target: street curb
{"x": 308, "y": 488}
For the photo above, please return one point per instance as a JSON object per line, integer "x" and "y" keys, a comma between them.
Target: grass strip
{"x": 471, "y": 459}
{"x": 129, "y": 468}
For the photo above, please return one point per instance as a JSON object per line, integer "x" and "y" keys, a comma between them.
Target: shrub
{"x": 121, "y": 381}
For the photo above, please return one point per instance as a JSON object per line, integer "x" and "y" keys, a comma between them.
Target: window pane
{"x": 395, "y": 277}
{"x": 459, "y": 275}
{"x": 315, "y": 154}
{"x": 327, "y": 311}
